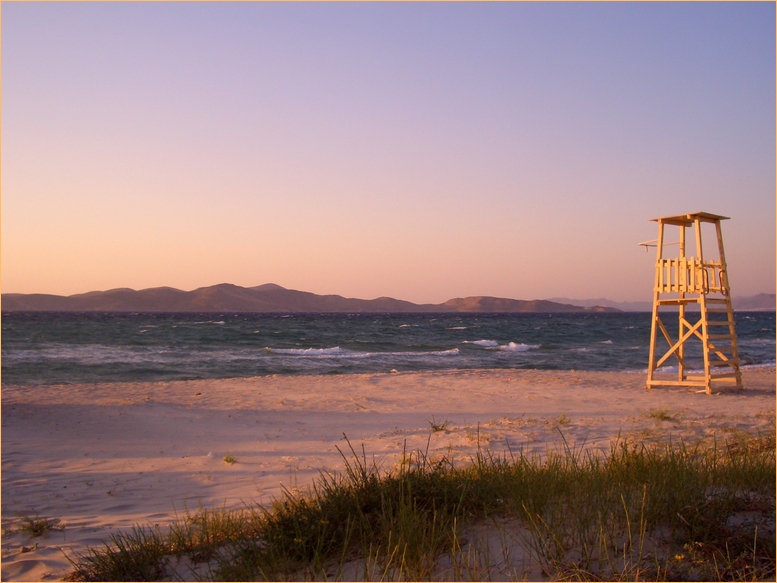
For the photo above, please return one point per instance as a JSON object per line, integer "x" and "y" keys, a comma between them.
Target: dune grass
{"x": 660, "y": 414}
{"x": 35, "y": 526}
{"x": 661, "y": 512}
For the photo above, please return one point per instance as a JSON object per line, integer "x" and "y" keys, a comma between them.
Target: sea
{"x": 44, "y": 348}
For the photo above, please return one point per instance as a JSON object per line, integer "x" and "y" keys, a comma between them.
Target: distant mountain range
{"x": 622, "y": 306}
{"x": 760, "y": 302}
{"x": 274, "y": 298}
{"x": 264, "y": 298}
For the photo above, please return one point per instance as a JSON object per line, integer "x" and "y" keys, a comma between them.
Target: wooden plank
{"x": 675, "y": 275}
{"x": 676, "y": 269}
{"x": 727, "y": 299}
{"x": 685, "y": 383}
{"x": 703, "y": 304}
{"x": 656, "y": 296}
{"x": 663, "y": 329}
{"x": 687, "y": 219}
{"x": 677, "y": 344}
{"x": 719, "y": 363}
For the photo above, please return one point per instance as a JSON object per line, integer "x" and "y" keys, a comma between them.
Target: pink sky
{"x": 419, "y": 151}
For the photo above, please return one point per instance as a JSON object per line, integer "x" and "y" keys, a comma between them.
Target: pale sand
{"x": 107, "y": 456}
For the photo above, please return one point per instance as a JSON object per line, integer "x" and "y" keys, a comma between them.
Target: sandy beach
{"x": 104, "y": 457}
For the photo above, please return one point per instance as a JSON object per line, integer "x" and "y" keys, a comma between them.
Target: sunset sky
{"x": 419, "y": 151}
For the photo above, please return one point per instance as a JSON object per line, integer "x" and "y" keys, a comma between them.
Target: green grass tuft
{"x": 36, "y": 526}
{"x": 584, "y": 516}
{"x": 438, "y": 426}
{"x": 660, "y": 415}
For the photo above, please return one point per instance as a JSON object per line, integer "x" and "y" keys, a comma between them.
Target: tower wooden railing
{"x": 690, "y": 275}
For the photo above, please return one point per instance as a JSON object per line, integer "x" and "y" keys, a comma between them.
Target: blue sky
{"x": 421, "y": 151}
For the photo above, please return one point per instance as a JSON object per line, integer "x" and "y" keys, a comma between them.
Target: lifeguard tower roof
{"x": 687, "y": 220}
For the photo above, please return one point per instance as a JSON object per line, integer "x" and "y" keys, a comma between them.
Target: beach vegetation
{"x": 229, "y": 458}
{"x": 659, "y": 511}
{"x": 660, "y": 414}
{"x": 436, "y": 427}
{"x": 36, "y": 526}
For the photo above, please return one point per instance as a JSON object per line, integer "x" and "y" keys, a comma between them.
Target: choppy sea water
{"x": 52, "y": 348}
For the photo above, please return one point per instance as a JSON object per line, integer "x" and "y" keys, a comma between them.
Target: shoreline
{"x": 670, "y": 370}
{"x": 107, "y": 456}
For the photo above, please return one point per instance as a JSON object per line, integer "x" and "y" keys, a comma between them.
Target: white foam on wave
{"x": 606, "y": 342}
{"x": 408, "y": 325}
{"x": 767, "y": 364}
{"x": 671, "y": 369}
{"x": 413, "y": 355}
{"x": 306, "y": 351}
{"x": 457, "y": 328}
{"x": 409, "y": 354}
{"x": 442, "y": 352}
{"x": 337, "y": 352}
{"x": 515, "y": 347}
{"x": 487, "y": 343}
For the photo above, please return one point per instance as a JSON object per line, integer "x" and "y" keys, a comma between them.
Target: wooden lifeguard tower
{"x": 681, "y": 283}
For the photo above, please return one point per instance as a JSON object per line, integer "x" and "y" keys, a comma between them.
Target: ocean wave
{"x": 337, "y": 352}
{"x": 673, "y": 368}
{"x": 305, "y": 351}
{"x": 440, "y": 352}
{"x": 487, "y": 343}
{"x": 756, "y": 342}
{"x": 514, "y": 347}
{"x": 411, "y": 354}
{"x": 92, "y": 354}
{"x": 767, "y": 364}
{"x": 458, "y": 328}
